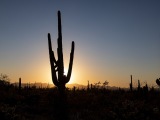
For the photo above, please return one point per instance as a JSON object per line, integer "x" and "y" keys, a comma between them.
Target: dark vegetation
{"x": 32, "y": 103}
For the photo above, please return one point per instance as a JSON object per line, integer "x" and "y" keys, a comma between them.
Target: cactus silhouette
{"x": 59, "y": 79}
{"x": 19, "y": 87}
{"x": 88, "y": 86}
{"x": 139, "y": 85}
{"x": 131, "y": 86}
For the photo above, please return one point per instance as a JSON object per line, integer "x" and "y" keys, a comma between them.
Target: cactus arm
{"x": 158, "y": 81}
{"x": 52, "y": 59}
{"x": 70, "y": 63}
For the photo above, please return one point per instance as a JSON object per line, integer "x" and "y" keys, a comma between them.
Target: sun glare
{"x": 65, "y": 71}
{"x": 48, "y": 76}
{"x": 72, "y": 76}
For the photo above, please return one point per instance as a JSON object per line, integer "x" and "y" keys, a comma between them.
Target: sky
{"x": 113, "y": 40}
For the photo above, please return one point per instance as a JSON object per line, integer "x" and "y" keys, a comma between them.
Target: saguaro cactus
{"x": 131, "y": 86}
{"x": 59, "y": 79}
{"x": 139, "y": 85}
{"x": 88, "y": 86}
{"x": 19, "y": 87}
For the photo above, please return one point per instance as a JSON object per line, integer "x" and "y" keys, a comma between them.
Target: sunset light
{"x": 72, "y": 76}
{"x": 112, "y": 41}
{"x": 80, "y": 59}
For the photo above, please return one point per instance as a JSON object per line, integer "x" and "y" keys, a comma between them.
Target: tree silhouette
{"x": 105, "y": 83}
{"x": 4, "y": 80}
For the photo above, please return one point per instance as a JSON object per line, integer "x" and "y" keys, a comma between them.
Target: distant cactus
{"x": 59, "y": 79}
{"x": 74, "y": 89}
{"x": 146, "y": 87}
{"x": 88, "y": 85}
{"x": 131, "y": 85}
{"x": 91, "y": 86}
{"x": 139, "y": 85}
{"x": 19, "y": 84}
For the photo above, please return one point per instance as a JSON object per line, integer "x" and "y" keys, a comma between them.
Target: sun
{"x": 72, "y": 76}
{"x": 65, "y": 71}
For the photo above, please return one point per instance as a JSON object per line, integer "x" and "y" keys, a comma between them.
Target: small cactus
{"x": 88, "y": 85}
{"x": 139, "y": 85}
{"x": 57, "y": 66}
{"x": 19, "y": 84}
{"x": 131, "y": 86}
{"x": 146, "y": 87}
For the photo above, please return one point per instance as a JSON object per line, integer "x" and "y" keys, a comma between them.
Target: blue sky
{"x": 113, "y": 39}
